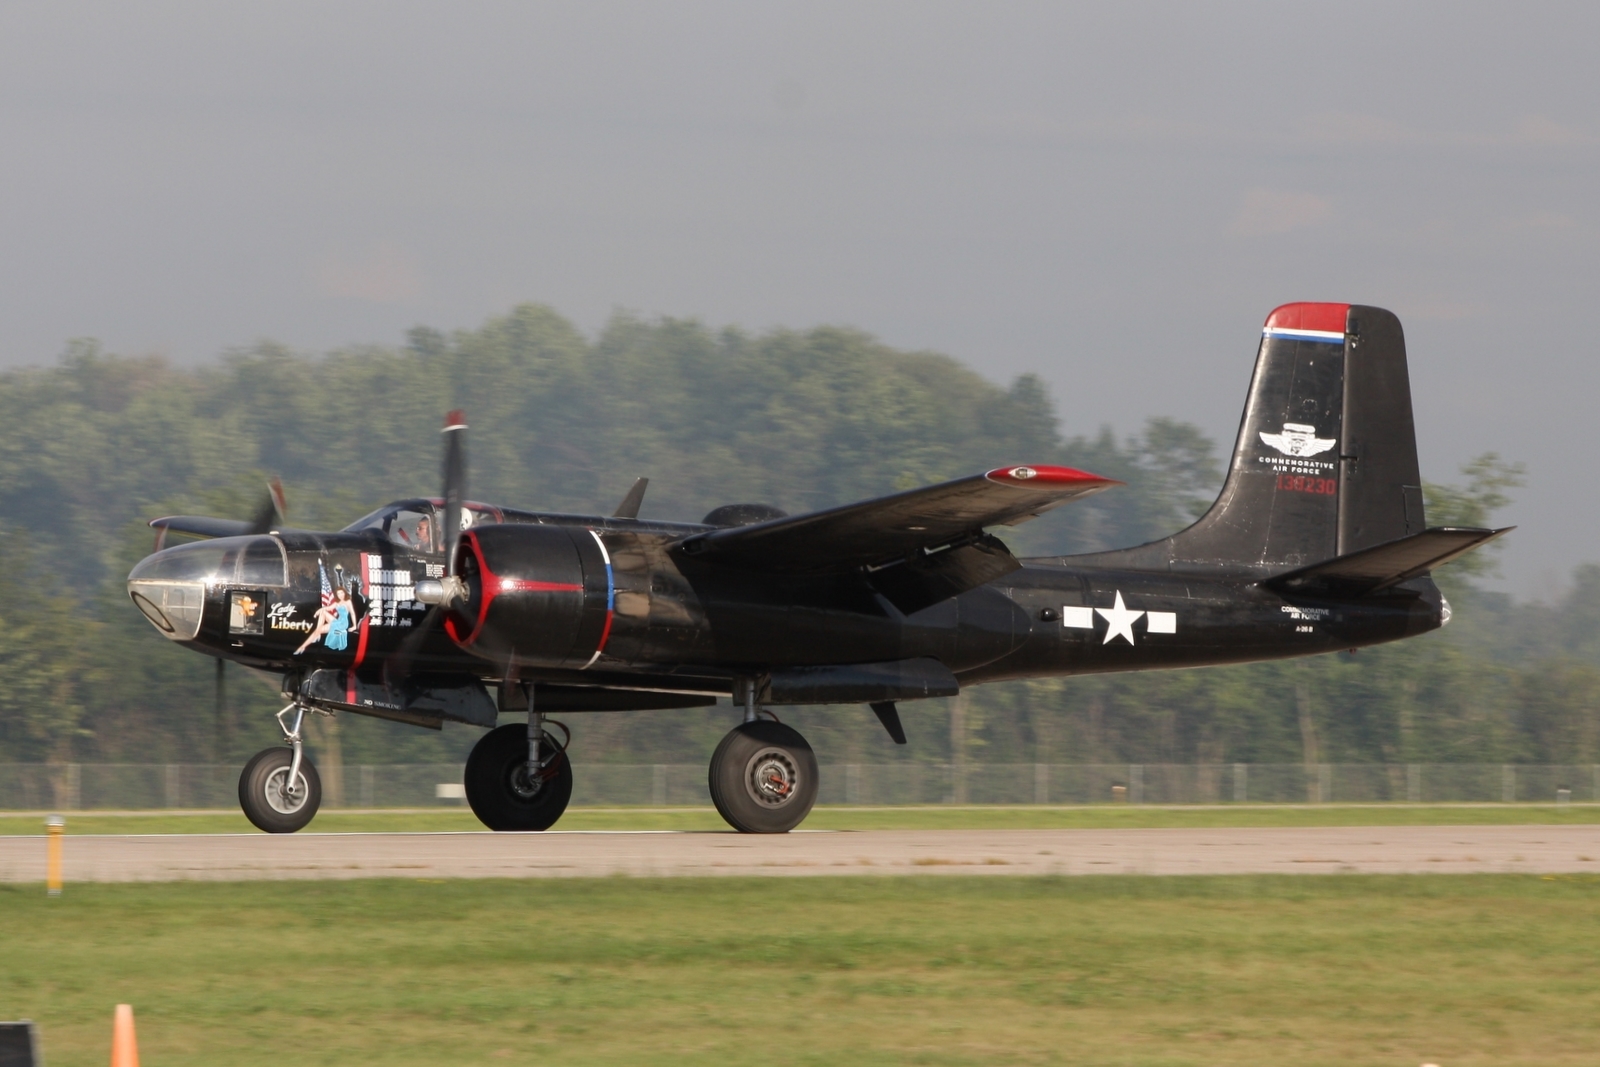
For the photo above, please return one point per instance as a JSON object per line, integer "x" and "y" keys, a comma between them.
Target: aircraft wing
{"x": 204, "y": 525}
{"x": 919, "y": 547}
{"x": 269, "y": 514}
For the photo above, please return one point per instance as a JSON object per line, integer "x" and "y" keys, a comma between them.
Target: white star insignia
{"x": 1119, "y": 620}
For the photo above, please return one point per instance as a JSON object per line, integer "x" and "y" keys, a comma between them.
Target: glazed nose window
{"x": 414, "y": 530}
{"x": 170, "y": 587}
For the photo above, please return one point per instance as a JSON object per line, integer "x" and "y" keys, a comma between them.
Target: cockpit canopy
{"x": 257, "y": 561}
{"x": 416, "y": 524}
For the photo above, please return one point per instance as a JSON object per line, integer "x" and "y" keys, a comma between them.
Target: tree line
{"x": 95, "y": 445}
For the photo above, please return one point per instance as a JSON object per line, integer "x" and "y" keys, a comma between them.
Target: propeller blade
{"x": 629, "y": 508}
{"x": 397, "y": 665}
{"x": 272, "y": 513}
{"x": 455, "y": 485}
{"x": 273, "y": 510}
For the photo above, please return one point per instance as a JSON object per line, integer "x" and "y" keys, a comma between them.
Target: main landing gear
{"x": 519, "y": 777}
{"x": 763, "y": 775}
{"x": 279, "y": 789}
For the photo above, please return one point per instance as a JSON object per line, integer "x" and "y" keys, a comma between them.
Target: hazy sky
{"x": 1112, "y": 195}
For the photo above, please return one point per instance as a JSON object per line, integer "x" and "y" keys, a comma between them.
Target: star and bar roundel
{"x": 1119, "y": 620}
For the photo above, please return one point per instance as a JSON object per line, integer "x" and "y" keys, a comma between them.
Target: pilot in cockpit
{"x": 412, "y": 530}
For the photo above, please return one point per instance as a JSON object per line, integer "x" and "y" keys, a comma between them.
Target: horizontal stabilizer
{"x": 860, "y": 683}
{"x": 1381, "y": 566}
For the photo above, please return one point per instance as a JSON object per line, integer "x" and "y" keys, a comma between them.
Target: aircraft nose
{"x": 170, "y": 587}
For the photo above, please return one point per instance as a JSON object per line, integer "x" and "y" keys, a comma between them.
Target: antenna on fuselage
{"x": 629, "y": 508}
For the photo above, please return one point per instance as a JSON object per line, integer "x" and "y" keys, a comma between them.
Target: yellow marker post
{"x": 56, "y": 826}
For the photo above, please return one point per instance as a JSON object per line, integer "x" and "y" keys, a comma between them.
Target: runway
{"x": 1314, "y": 850}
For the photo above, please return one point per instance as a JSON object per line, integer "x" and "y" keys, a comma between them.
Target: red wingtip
{"x": 1046, "y": 476}
{"x": 456, "y": 420}
{"x": 1324, "y": 318}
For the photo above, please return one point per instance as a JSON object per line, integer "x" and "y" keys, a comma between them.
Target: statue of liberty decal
{"x": 335, "y": 618}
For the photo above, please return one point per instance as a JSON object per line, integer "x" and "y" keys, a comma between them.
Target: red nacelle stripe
{"x": 521, "y": 585}
{"x": 493, "y": 585}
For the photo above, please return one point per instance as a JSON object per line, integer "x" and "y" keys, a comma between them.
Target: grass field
{"x": 939, "y": 817}
{"x": 1335, "y": 970}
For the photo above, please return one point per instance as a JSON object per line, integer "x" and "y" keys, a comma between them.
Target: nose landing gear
{"x": 279, "y": 789}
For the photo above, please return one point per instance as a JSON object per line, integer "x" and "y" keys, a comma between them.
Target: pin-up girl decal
{"x": 333, "y": 624}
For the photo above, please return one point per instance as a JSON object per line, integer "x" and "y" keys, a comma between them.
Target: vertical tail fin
{"x": 1326, "y": 460}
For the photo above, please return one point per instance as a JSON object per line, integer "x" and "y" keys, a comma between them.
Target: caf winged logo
{"x": 1299, "y": 440}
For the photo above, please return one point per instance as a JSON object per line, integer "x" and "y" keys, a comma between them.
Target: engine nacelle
{"x": 538, "y": 596}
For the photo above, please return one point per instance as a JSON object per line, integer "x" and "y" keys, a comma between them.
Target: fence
{"x": 89, "y": 786}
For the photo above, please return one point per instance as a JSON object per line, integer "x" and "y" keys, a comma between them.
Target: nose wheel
{"x": 279, "y": 789}
{"x": 763, "y": 778}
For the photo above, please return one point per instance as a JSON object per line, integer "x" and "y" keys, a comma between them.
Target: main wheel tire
{"x": 498, "y": 787}
{"x": 264, "y": 799}
{"x": 763, "y": 778}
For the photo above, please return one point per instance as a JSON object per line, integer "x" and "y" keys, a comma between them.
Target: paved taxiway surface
{"x": 1368, "y": 850}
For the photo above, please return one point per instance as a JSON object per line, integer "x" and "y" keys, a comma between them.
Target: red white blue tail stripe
{"x": 1307, "y": 322}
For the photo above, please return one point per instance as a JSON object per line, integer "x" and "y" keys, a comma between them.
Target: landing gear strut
{"x": 518, "y": 777}
{"x": 279, "y": 789}
{"x": 763, "y": 775}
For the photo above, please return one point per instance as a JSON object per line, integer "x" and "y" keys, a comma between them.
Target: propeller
{"x": 272, "y": 513}
{"x": 274, "y": 510}
{"x": 442, "y": 594}
{"x": 455, "y": 491}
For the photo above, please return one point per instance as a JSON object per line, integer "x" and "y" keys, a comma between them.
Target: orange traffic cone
{"x": 124, "y": 1046}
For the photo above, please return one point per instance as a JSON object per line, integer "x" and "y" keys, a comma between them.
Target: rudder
{"x": 1380, "y": 493}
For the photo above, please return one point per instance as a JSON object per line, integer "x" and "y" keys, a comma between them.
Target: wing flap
{"x": 1374, "y": 569}
{"x": 927, "y": 578}
{"x": 899, "y": 527}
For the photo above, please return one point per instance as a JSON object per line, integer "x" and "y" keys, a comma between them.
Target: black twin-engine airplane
{"x": 434, "y": 610}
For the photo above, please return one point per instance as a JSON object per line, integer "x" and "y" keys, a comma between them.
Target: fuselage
{"x": 611, "y": 602}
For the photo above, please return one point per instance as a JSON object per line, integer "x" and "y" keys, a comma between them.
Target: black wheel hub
{"x": 525, "y": 781}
